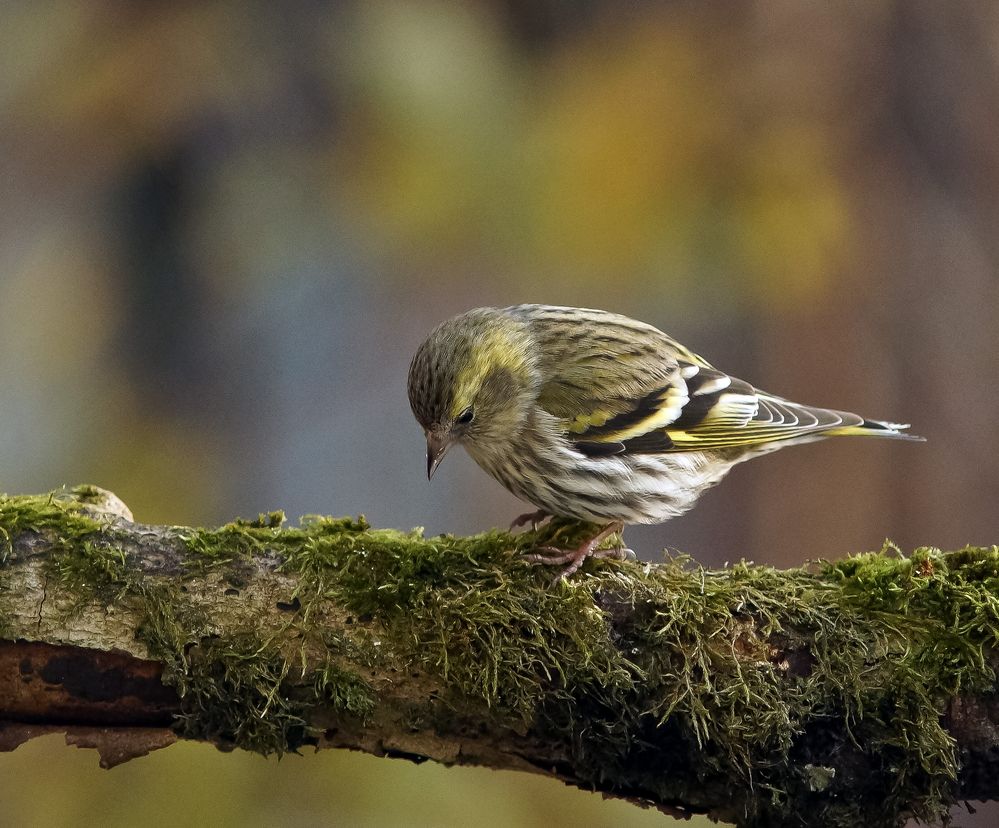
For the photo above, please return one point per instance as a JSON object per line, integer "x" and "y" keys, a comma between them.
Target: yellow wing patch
{"x": 581, "y": 422}
{"x": 654, "y": 411}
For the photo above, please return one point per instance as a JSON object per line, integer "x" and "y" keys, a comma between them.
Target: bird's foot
{"x": 554, "y": 556}
{"x": 534, "y": 518}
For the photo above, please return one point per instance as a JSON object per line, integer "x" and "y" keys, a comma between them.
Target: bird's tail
{"x": 875, "y": 428}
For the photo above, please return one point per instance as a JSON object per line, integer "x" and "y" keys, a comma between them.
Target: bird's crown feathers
{"x": 482, "y": 358}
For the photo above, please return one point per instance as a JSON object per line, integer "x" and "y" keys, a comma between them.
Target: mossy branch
{"x": 856, "y": 692}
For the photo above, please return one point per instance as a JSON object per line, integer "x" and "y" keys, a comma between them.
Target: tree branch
{"x": 859, "y": 692}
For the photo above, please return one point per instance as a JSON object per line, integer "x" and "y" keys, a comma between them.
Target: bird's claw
{"x": 618, "y": 553}
{"x": 534, "y": 518}
{"x": 554, "y": 556}
{"x": 550, "y": 556}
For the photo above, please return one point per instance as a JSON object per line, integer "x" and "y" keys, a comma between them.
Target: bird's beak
{"x": 437, "y": 446}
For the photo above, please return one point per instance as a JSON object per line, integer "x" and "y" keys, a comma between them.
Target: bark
{"x": 855, "y": 692}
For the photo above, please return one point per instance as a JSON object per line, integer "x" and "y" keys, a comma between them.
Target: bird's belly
{"x": 633, "y": 489}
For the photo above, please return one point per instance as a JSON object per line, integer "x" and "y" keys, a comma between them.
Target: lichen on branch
{"x": 843, "y": 693}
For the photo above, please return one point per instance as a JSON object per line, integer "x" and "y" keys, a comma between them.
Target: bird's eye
{"x": 465, "y": 417}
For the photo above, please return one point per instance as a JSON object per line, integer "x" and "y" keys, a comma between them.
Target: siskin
{"x": 591, "y": 415}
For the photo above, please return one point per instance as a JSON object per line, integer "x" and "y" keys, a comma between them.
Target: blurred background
{"x": 226, "y": 226}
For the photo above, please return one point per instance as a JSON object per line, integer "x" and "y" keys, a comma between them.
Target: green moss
{"x": 83, "y": 559}
{"x": 91, "y": 570}
{"x": 344, "y": 691}
{"x": 666, "y": 680}
{"x": 235, "y": 690}
{"x": 642, "y": 656}
{"x": 58, "y": 512}
{"x": 649, "y": 652}
{"x": 467, "y": 609}
{"x": 233, "y": 693}
{"x": 869, "y": 664}
{"x": 244, "y": 690}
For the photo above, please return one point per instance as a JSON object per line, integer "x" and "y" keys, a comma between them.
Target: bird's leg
{"x": 553, "y": 556}
{"x": 534, "y": 518}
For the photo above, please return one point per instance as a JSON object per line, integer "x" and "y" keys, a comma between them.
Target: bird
{"x": 591, "y": 415}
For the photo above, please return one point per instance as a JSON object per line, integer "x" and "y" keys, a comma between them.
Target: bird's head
{"x": 473, "y": 381}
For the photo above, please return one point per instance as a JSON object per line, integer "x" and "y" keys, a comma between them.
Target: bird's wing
{"x": 606, "y": 377}
{"x": 701, "y": 408}
{"x": 623, "y": 387}
{"x": 725, "y": 412}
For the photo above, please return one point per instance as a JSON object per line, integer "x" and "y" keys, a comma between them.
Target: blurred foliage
{"x": 631, "y": 149}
